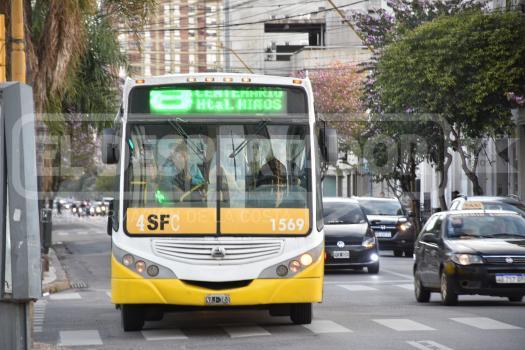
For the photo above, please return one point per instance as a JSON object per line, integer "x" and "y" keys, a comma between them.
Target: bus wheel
{"x": 132, "y": 318}
{"x": 301, "y": 313}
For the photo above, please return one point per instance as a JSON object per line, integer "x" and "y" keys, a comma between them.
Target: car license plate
{"x": 217, "y": 299}
{"x": 510, "y": 278}
{"x": 341, "y": 254}
{"x": 383, "y": 234}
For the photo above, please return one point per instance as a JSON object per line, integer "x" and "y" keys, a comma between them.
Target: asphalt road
{"x": 359, "y": 311}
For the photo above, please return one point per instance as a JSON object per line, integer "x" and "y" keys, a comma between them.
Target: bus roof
{"x": 218, "y": 77}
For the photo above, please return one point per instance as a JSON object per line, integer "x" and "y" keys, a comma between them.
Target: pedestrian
{"x": 455, "y": 194}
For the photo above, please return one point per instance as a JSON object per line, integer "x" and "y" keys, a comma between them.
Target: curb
{"x": 55, "y": 280}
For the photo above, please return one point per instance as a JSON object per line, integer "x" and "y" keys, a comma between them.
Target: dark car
{"x": 391, "y": 224}
{"x": 471, "y": 252}
{"x": 349, "y": 240}
{"x": 489, "y": 203}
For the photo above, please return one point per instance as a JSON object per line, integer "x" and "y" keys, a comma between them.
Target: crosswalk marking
{"x": 326, "y": 326}
{"x": 163, "y": 334}
{"x": 245, "y": 331}
{"x": 357, "y": 287}
{"x": 428, "y": 345}
{"x": 65, "y": 296}
{"x": 407, "y": 286}
{"x": 39, "y": 312}
{"x": 403, "y": 324}
{"x": 484, "y": 323}
{"x": 79, "y": 338}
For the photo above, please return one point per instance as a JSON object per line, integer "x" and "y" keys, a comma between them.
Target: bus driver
{"x": 181, "y": 179}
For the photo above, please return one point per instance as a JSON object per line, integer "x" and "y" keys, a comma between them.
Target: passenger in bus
{"x": 184, "y": 182}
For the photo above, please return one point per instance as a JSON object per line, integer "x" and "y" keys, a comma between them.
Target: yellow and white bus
{"x": 218, "y": 201}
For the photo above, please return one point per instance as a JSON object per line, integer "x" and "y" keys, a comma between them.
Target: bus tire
{"x": 301, "y": 313}
{"x": 132, "y": 318}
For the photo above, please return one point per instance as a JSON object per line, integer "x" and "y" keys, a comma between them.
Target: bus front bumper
{"x": 127, "y": 287}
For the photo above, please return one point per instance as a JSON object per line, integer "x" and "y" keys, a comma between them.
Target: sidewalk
{"x": 55, "y": 280}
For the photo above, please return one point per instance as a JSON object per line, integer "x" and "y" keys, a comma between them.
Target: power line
{"x": 245, "y": 23}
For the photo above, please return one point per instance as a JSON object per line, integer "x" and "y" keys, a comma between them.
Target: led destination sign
{"x": 218, "y": 101}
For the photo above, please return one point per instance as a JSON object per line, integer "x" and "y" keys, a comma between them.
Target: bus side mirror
{"x": 109, "y": 146}
{"x": 109, "y": 228}
{"x": 329, "y": 146}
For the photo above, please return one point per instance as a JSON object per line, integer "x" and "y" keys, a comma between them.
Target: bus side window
{"x": 116, "y": 188}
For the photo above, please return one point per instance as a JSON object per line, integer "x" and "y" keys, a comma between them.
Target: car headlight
{"x": 466, "y": 259}
{"x": 405, "y": 226}
{"x": 369, "y": 241}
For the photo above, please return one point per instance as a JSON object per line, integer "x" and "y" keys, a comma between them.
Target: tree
{"x": 338, "y": 95}
{"x": 73, "y": 56}
{"x": 379, "y": 29}
{"x": 460, "y": 68}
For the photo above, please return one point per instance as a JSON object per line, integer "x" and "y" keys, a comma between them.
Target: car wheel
{"x": 398, "y": 253}
{"x": 516, "y": 299}
{"x": 422, "y": 294}
{"x": 448, "y": 296}
{"x": 132, "y": 318}
{"x": 301, "y": 313}
{"x": 409, "y": 252}
{"x": 373, "y": 269}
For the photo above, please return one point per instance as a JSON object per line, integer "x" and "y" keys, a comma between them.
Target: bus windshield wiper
{"x": 236, "y": 151}
{"x": 180, "y": 130}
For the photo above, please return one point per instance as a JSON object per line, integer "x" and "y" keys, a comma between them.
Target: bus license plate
{"x": 510, "y": 278}
{"x": 383, "y": 234}
{"x": 217, "y": 299}
{"x": 341, "y": 254}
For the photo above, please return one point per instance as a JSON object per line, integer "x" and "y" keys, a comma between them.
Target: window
{"x": 341, "y": 213}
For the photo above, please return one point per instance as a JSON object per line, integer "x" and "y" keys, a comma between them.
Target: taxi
{"x": 470, "y": 252}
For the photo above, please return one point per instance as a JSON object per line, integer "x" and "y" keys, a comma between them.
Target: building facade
{"x": 180, "y": 36}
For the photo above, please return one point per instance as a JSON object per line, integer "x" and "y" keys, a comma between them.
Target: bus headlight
{"x": 128, "y": 260}
{"x": 295, "y": 266}
{"x": 306, "y": 259}
{"x": 281, "y": 270}
{"x": 153, "y": 270}
{"x": 140, "y": 266}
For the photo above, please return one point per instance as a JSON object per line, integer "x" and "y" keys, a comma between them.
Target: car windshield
{"x": 340, "y": 213}
{"x": 514, "y": 206}
{"x": 379, "y": 207}
{"x": 485, "y": 226}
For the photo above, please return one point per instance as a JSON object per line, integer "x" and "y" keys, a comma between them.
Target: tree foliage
{"x": 460, "y": 68}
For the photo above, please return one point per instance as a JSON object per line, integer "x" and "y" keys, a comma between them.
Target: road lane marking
{"x": 79, "y": 338}
{"x": 326, "y": 326}
{"x": 484, "y": 323}
{"x": 403, "y": 324}
{"x": 404, "y": 275}
{"x": 164, "y": 334}
{"x": 357, "y": 288}
{"x": 369, "y": 281}
{"x": 428, "y": 345}
{"x": 408, "y": 286}
{"x": 65, "y": 296}
{"x": 245, "y": 331}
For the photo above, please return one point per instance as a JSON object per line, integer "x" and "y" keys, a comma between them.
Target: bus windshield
{"x": 257, "y": 173}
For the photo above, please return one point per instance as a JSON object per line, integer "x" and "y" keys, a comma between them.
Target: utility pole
{"x": 227, "y": 62}
{"x": 18, "y": 52}
{"x": 2, "y": 50}
{"x": 20, "y": 266}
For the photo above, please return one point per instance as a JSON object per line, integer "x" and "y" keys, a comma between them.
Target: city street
{"x": 359, "y": 311}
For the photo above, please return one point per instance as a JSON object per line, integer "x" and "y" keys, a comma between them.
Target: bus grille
{"x": 217, "y": 252}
